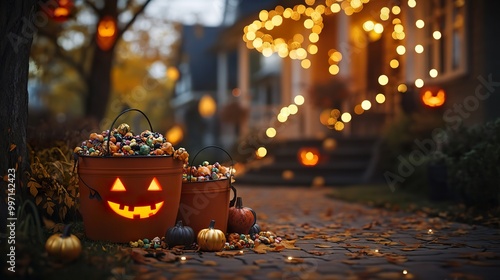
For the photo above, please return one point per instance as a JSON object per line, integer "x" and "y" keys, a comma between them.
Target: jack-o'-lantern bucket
{"x": 203, "y": 201}
{"x": 126, "y": 198}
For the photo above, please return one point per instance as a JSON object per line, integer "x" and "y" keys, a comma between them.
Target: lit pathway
{"x": 339, "y": 240}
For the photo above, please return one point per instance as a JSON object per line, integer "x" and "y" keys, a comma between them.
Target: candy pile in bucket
{"x": 123, "y": 142}
{"x": 206, "y": 172}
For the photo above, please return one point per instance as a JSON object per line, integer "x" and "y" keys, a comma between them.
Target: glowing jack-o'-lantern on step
{"x": 432, "y": 98}
{"x": 308, "y": 156}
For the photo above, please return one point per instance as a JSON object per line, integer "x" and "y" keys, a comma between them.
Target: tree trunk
{"x": 16, "y": 31}
{"x": 99, "y": 84}
{"x": 99, "y": 78}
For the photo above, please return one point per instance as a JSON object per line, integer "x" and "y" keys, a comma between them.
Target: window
{"x": 446, "y": 37}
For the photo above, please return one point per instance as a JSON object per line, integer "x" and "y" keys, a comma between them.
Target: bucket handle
{"x": 94, "y": 194}
{"x": 119, "y": 115}
{"x": 232, "y": 201}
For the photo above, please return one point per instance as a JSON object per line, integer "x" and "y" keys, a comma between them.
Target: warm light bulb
{"x": 419, "y": 83}
{"x": 433, "y": 73}
{"x": 420, "y": 23}
{"x": 366, "y": 105}
{"x": 383, "y": 80}
{"x": 436, "y": 35}
{"x": 419, "y": 48}
{"x": 346, "y": 117}
{"x": 401, "y": 49}
{"x": 380, "y": 98}
{"x": 271, "y": 132}
{"x": 299, "y": 99}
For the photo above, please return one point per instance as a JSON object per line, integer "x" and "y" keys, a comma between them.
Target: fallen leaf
{"x": 349, "y": 262}
{"x": 12, "y": 147}
{"x": 335, "y": 239}
{"x": 317, "y": 253}
{"x": 294, "y": 260}
{"x": 260, "y": 249}
{"x": 210, "y": 263}
{"x": 229, "y": 254}
{"x": 138, "y": 255}
{"x": 309, "y": 236}
{"x": 289, "y": 244}
{"x": 334, "y": 226}
{"x": 411, "y": 247}
{"x": 396, "y": 259}
{"x": 323, "y": 246}
{"x": 260, "y": 261}
{"x": 167, "y": 257}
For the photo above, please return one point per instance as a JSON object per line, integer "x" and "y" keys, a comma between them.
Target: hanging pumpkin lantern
{"x": 179, "y": 235}
{"x": 433, "y": 98}
{"x": 308, "y": 156}
{"x": 65, "y": 247}
{"x": 240, "y": 218}
{"x": 60, "y": 12}
{"x": 106, "y": 33}
{"x": 211, "y": 239}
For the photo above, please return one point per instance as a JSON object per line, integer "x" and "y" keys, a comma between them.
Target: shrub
{"x": 473, "y": 158}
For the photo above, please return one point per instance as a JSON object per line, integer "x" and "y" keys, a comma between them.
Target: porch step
{"x": 347, "y": 164}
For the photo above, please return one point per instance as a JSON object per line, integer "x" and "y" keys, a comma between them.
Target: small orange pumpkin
{"x": 240, "y": 219}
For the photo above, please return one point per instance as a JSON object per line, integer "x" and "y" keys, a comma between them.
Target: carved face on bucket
{"x": 135, "y": 211}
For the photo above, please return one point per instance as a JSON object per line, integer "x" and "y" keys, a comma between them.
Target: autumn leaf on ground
{"x": 168, "y": 257}
{"x": 316, "y": 253}
{"x": 335, "y": 239}
{"x": 289, "y": 244}
{"x": 355, "y": 255}
{"x": 323, "y": 246}
{"x": 260, "y": 248}
{"x": 260, "y": 261}
{"x": 138, "y": 255}
{"x": 334, "y": 226}
{"x": 294, "y": 260}
{"x": 369, "y": 226}
{"x": 349, "y": 262}
{"x": 229, "y": 254}
{"x": 210, "y": 263}
{"x": 396, "y": 259}
{"x": 310, "y": 236}
{"x": 412, "y": 247}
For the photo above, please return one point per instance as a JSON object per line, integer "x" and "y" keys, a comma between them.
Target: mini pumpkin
{"x": 65, "y": 247}
{"x": 179, "y": 235}
{"x": 211, "y": 239}
{"x": 240, "y": 218}
{"x": 255, "y": 229}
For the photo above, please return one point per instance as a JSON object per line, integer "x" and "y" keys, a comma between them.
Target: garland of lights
{"x": 255, "y": 38}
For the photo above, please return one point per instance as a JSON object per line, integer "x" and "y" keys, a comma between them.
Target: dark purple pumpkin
{"x": 240, "y": 219}
{"x": 179, "y": 235}
{"x": 255, "y": 229}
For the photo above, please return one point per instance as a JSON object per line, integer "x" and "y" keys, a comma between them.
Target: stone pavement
{"x": 339, "y": 240}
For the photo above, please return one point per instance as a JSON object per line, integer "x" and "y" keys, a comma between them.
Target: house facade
{"x": 358, "y": 66}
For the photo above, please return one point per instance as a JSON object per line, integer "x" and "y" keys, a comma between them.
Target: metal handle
{"x": 232, "y": 201}
{"x": 119, "y": 115}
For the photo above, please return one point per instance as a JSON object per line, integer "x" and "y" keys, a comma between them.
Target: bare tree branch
{"x": 59, "y": 53}
{"x": 93, "y": 6}
{"x": 127, "y": 6}
{"x": 127, "y": 26}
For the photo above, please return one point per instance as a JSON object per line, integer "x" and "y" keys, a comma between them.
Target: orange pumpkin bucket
{"x": 204, "y": 201}
{"x": 130, "y": 197}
